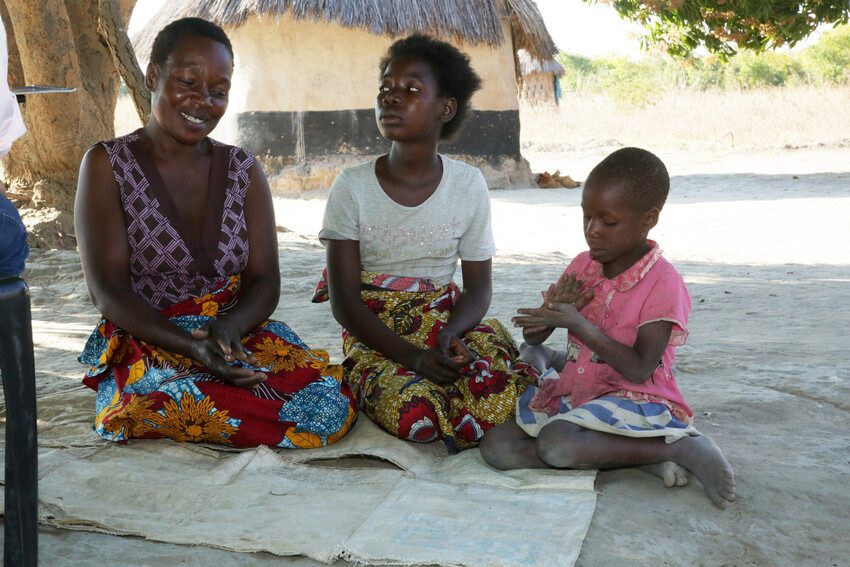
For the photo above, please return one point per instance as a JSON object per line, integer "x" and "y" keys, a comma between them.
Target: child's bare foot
{"x": 703, "y": 458}
{"x": 669, "y": 472}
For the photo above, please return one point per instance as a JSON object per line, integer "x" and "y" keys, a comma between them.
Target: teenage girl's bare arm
{"x": 470, "y": 308}
{"x": 343, "y": 258}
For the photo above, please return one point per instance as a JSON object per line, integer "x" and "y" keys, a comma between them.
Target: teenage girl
{"x": 422, "y": 362}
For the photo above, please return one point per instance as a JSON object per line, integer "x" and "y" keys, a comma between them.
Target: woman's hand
{"x": 219, "y": 348}
{"x": 226, "y": 338}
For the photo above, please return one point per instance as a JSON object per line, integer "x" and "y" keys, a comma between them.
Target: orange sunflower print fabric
{"x": 146, "y": 392}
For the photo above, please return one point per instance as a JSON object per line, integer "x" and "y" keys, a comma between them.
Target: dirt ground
{"x": 762, "y": 242}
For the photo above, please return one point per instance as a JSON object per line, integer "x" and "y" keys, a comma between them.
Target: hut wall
{"x": 303, "y": 101}
{"x": 539, "y": 89}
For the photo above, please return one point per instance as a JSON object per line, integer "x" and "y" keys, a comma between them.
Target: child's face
{"x": 614, "y": 229}
{"x": 409, "y": 106}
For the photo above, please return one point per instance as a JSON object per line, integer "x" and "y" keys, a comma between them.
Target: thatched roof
{"x": 473, "y": 21}
{"x": 528, "y": 65}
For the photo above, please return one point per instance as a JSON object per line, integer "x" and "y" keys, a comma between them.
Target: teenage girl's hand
{"x": 436, "y": 366}
{"x": 219, "y": 347}
{"x": 454, "y": 348}
{"x": 550, "y": 315}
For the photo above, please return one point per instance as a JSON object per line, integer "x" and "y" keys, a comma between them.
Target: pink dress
{"x": 650, "y": 290}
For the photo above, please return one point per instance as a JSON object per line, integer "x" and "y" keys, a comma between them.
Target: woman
{"x": 178, "y": 244}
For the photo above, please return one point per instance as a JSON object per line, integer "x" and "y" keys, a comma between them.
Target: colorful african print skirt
{"x": 412, "y": 407}
{"x": 147, "y": 392}
{"x": 629, "y": 416}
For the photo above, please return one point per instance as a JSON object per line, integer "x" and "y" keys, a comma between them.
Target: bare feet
{"x": 703, "y": 458}
{"x": 669, "y": 472}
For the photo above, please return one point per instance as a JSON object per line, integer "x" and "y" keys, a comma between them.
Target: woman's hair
{"x": 455, "y": 76}
{"x": 168, "y": 37}
{"x": 639, "y": 174}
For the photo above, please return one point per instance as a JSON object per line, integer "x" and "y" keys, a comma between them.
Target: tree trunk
{"x": 58, "y": 43}
{"x": 112, "y": 28}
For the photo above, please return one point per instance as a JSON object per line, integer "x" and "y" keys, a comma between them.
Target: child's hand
{"x": 548, "y": 396}
{"x": 565, "y": 290}
{"x": 551, "y": 315}
{"x": 568, "y": 290}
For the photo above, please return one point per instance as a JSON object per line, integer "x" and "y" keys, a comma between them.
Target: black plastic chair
{"x": 18, "y": 371}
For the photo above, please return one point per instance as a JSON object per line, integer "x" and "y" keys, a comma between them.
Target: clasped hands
{"x": 443, "y": 363}
{"x": 561, "y": 305}
{"x": 219, "y": 347}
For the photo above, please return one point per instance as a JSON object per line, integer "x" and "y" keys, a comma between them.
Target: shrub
{"x": 828, "y": 61}
{"x": 640, "y": 82}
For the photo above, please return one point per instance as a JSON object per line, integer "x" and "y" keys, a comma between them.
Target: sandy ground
{"x": 762, "y": 241}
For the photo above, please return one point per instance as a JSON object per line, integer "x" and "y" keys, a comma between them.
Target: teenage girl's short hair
{"x": 640, "y": 174}
{"x": 451, "y": 67}
{"x": 168, "y": 37}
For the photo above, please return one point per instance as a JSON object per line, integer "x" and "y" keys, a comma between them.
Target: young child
{"x": 423, "y": 364}
{"x": 626, "y": 309}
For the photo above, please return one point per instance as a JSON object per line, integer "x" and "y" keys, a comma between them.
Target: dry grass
{"x": 695, "y": 121}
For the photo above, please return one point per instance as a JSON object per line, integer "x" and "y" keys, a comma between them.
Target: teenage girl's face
{"x": 614, "y": 229}
{"x": 409, "y": 106}
{"x": 190, "y": 89}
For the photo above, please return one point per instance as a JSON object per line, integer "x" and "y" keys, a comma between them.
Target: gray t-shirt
{"x": 422, "y": 241}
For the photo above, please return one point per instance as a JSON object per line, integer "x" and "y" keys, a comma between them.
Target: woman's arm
{"x": 105, "y": 256}
{"x": 343, "y": 257}
{"x": 260, "y": 279}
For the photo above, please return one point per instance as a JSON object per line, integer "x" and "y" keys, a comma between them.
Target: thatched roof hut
{"x": 539, "y": 79}
{"x": 305, "y": 77}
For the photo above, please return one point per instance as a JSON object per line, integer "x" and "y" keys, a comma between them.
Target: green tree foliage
{"x": 725, "y": 26}
{"x": 640, "y": 82}
{"x": 828, "y": 61}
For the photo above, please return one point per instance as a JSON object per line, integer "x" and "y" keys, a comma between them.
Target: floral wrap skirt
{"x": 411, "y": 406}
{"x": 147, "y": 392}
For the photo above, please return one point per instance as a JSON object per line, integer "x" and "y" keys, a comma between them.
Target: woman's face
{"x": 190, "y": 89}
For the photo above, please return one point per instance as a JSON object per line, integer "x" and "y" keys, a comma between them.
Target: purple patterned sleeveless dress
{"x": 147, "y": 392}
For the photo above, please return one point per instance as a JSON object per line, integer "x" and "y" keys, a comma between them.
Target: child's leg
{"x": 542, "y": 357}
{"x": 563, "y": 444}
{"x": 507, "y": 446}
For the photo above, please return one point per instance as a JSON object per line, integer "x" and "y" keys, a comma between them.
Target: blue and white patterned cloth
{"x": 608, "y": 414}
